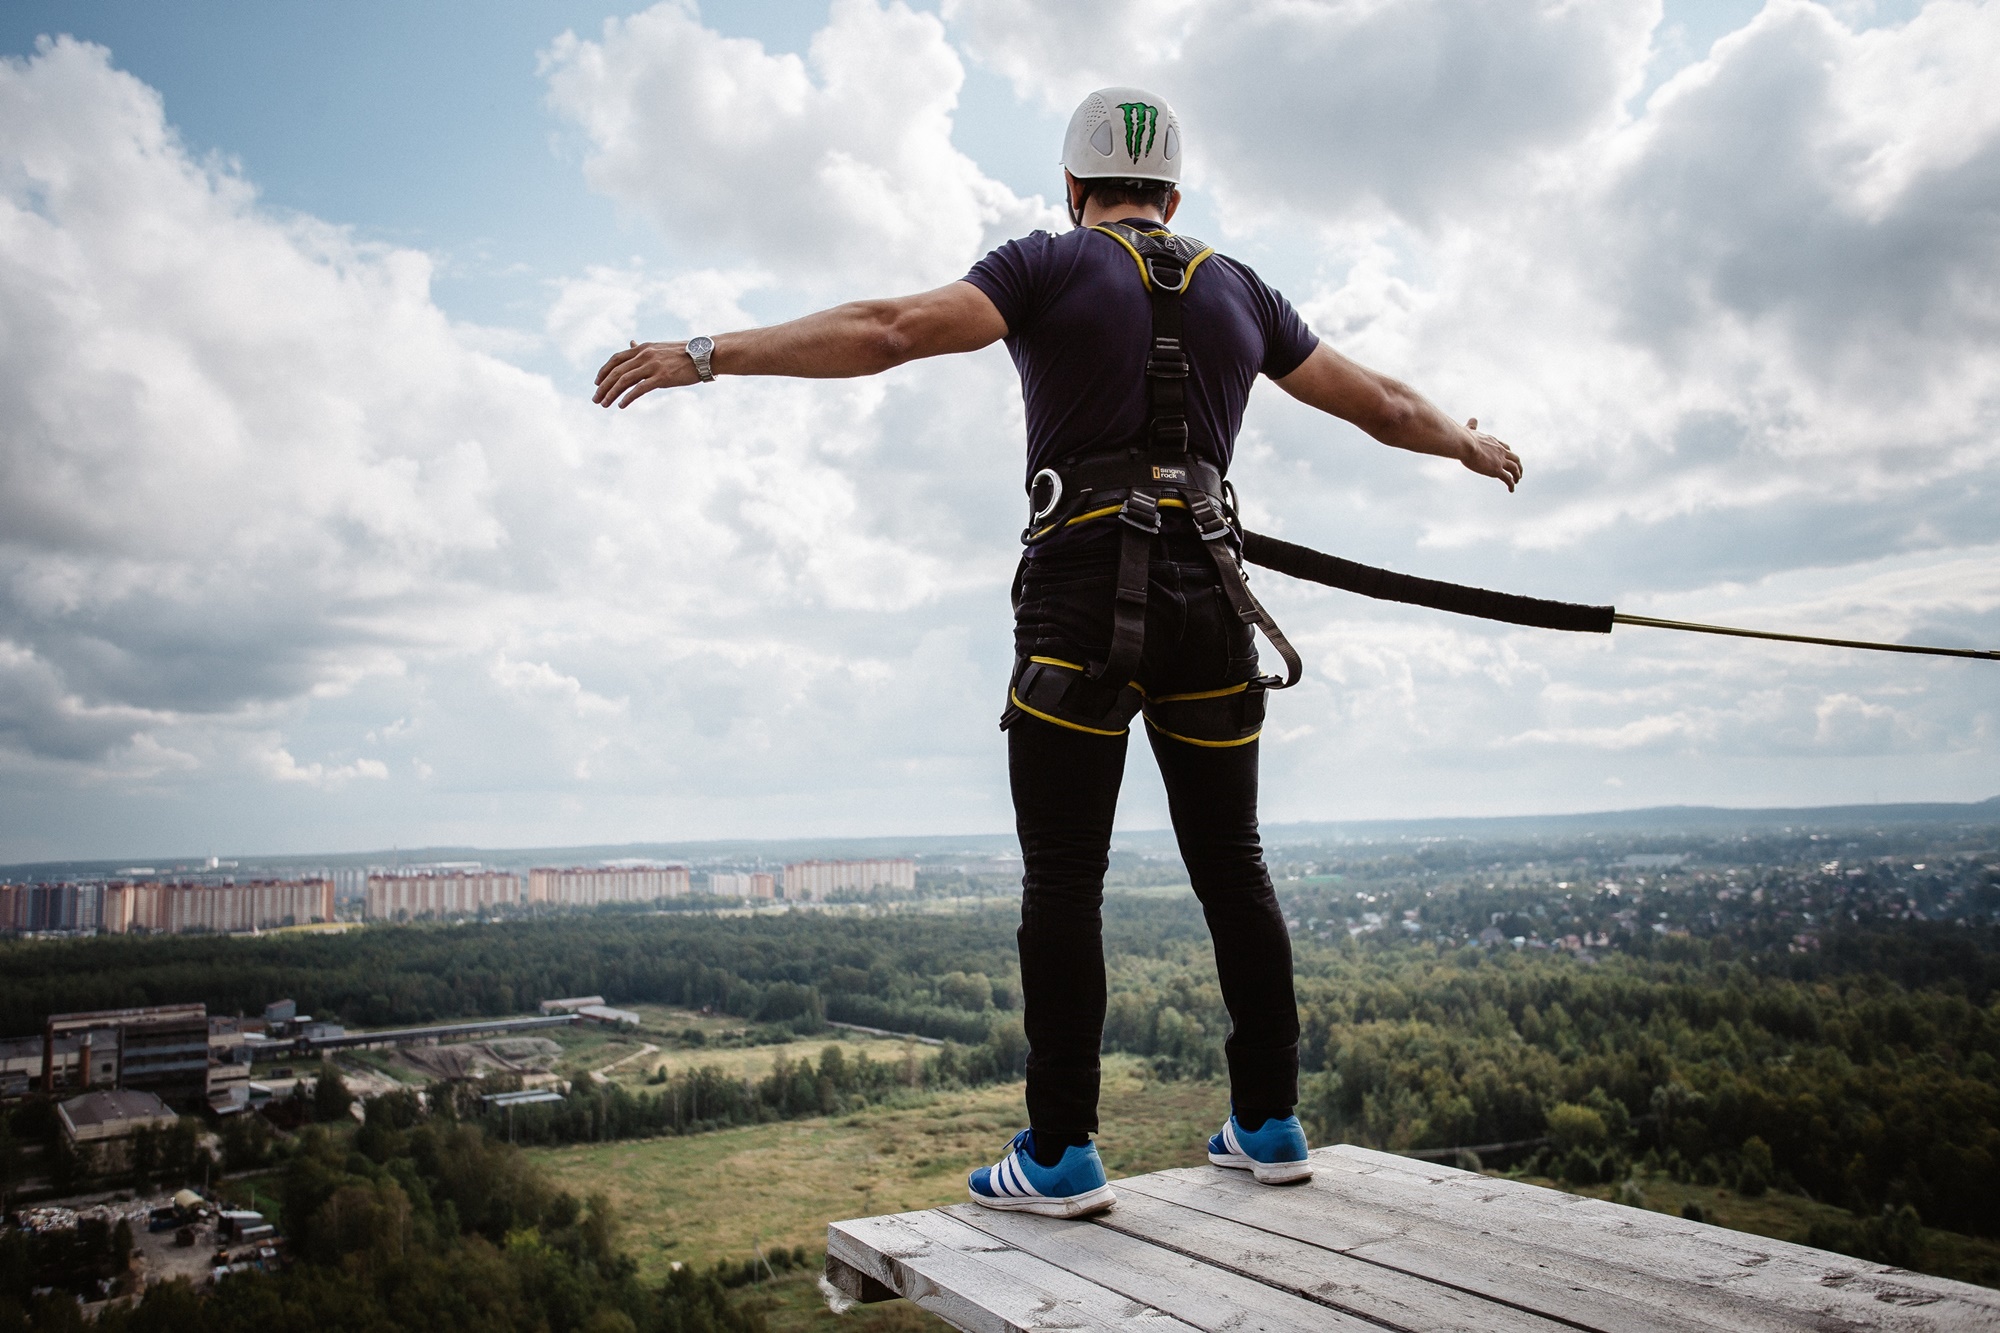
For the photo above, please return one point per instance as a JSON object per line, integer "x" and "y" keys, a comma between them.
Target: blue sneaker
{"x": 1072, "y": 1187}
{"x": 1275, "y": 1153}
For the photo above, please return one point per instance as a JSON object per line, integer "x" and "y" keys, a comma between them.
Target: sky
{"x": 311, "y": 540}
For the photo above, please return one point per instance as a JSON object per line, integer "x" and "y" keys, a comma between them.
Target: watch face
{"x": 701, "y": 345}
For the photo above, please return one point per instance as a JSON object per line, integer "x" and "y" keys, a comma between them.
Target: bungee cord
{"x": 1302, "y": 562}
{"x": 1651, "y": 622}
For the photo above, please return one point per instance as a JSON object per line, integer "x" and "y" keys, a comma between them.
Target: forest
{"x": 413, "y": 1222}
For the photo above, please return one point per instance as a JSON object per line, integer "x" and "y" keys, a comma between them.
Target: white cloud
{"x": 278, "y": 764}
{"x": 1430, "y": 108}
{"x": 269, "y": 501}
{"x": 836, "y": 172}
{"x": 265, "y": 508}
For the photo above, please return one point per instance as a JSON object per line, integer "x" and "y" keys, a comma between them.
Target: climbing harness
{"x": 1134, "y": 484}
{"x": 1157, "y": 472}
{"x": 1317, "y": 567}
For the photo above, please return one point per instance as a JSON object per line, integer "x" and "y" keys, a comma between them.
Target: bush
{"x": 1753, "y": 1177}
{"x": 1894, "y": 1237}
{"x": 1575, "y": 1128}
{"x": 330, "y": 1095}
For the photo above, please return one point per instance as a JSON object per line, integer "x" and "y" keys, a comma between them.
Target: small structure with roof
{"x": 572, "y": 1004}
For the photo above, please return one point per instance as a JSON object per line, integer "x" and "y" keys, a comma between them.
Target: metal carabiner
{"x": 1036, "y": 515}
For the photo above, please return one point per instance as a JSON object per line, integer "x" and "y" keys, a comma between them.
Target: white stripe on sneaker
{"x": 1229, "y": 1139}
{"x": 1026, "y": 1187}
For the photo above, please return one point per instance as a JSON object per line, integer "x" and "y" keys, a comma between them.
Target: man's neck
{"x": 1094, "y": 213}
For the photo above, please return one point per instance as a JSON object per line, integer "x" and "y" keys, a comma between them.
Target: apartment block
{"x": 742, "y": 884}
{"x": 40, "y": 907}
{"x": 165, "y": 908}
{"x": 816, "y": 881}
{"x": 401, "y": 897}
{"x": 173, "y": 909}
{"x": 583, "y": 886}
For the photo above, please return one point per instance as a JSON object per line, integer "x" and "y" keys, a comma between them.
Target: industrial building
{"x": 162, "y": 1049}
{"x": 99, "y": 1126}
{"x": 570, "y": 1005}
{"x": 816, "y": 881}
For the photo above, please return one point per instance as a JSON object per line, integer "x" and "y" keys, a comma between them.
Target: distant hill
{"x": 1656, "y": 819}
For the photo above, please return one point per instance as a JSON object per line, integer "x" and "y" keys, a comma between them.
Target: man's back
{"x": 1078, "y": 324}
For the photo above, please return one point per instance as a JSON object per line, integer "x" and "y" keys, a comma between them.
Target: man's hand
{"x": 1488, "y": 456}
{"x": 644, "y": 367}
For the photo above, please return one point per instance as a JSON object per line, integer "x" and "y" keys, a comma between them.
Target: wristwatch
{"x": 699, "y": 349}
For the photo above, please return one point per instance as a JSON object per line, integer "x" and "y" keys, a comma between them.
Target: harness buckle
{"x": 1141, "y": 510}
{"x": 1207, "y": 516}
{"x": 1168, "y": 360}
{"x": 1167, "y": 273}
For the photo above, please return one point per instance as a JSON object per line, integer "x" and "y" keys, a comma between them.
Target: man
{"x": 1137, "y": 350}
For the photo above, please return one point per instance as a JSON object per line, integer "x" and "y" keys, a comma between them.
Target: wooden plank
{"x": 1382, "y": 1296}
{"x": 1672, "y": 1249}
{"x": 980, "y": 1284}
{"x": 1504, "y": 1267}
{"x": 1203, "y": 1295}
{"x": 854, "y": 1284}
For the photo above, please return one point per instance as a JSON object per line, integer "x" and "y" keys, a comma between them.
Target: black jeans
{"x": 1065, "y": 785}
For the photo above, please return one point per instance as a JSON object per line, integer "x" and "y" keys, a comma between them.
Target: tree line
{"x": 906, "y": 973}
{"x": 692, "y": 1101}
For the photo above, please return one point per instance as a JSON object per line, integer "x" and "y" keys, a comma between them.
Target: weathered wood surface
{"x": 1373, "y": 1241}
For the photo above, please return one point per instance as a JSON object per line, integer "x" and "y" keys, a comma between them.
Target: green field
{"x": 716, "y": 1196}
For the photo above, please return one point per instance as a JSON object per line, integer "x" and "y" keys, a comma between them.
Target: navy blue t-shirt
{"x": 1078, "y": 325}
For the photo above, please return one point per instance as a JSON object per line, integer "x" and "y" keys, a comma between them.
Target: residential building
{"x": 50, "y": 907}
{"x": 816, "y": 881}
{"x": 583, "y": 886}
{"x": 404, "y": 896}
{"x": 178, "y": 908}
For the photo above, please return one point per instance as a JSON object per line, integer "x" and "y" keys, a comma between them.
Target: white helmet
{"x": 1125, "y": 132}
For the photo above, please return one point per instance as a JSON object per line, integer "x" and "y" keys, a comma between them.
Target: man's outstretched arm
{"x": 1396, "y": 414}
{"x": 859, "y": 338}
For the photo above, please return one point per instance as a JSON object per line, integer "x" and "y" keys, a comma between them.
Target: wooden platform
{"x": 1372, "y": 1242}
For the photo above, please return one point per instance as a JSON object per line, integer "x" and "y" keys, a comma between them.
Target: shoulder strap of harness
{"x": 1167, "y": 264}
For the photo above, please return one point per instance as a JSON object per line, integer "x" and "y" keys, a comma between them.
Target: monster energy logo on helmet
{"x": 1152, "y": 148}
{"x": 1142, "y": 122}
